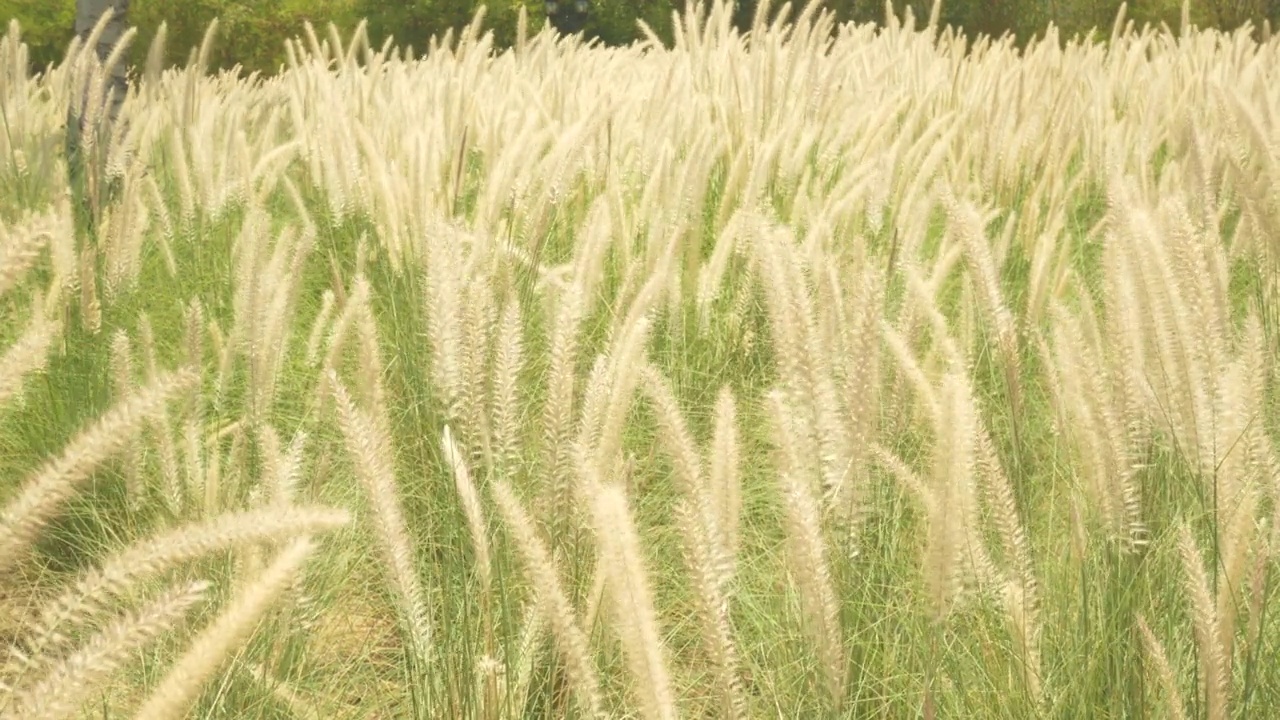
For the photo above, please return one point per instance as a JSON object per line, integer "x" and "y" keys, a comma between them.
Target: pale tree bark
{"x": 88, "y": 12}
{"x": 83, "y": 163}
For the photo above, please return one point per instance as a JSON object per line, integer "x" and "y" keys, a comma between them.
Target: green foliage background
{"x": 252, "y": 31}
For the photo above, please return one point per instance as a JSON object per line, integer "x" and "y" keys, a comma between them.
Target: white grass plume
{"x": 635, "y": 617}
{"x": 1210, "y": 648}
{"x": 23, "y": 517}
{"x": 551, "y": 600}
{"x": 20, "y": 247}
{"x": 371, "y": 450}
{"x": 67, "y": 685}
{"x": 180, "y": 687}
{"x": 724, "y": 472}
{"x": 27, "y": 355}
{"x": 1163, "y": 671}
{"x": 84, "y": 600}
{"x": 505, "y": 400}
{"x": 808, "y": 557}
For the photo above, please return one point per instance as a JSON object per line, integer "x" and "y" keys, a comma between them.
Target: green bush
{"x": 251, "y": 33}
{"x": 47, "y": 27}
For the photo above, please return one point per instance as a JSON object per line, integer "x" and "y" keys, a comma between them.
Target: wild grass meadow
{"x": 821, "y": 372}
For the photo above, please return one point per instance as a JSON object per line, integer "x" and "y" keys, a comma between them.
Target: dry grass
{"x": 817, "y": 372}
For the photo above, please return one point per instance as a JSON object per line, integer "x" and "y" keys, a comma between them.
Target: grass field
{"x": 822, "y": 372}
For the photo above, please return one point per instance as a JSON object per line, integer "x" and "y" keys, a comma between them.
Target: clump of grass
{"x": 704, "y": 390}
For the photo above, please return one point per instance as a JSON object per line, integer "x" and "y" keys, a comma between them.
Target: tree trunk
{"x": 83, "y": 171}
{"x": 88, "y": 12}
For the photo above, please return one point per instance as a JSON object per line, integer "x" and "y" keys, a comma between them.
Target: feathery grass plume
{"x": 1021, "y": 606}
{"x": 910, "y": 369}
{"x": 470, "y": 505}
{"x": 923, "y": 293}
{"x": 710, "y": 572}
{"x": 595, "y": 404}
{"x": 557, "y": 415}
{"x": 282, "y": 469}
{"x": 959, "y": 545}
{"x": 83, "y": 601}
{"x": 675, "y": 436}
{"x": 1237, "y": 540}
{"x": 711, "y": 274}
{"x": 551, "y": 599}
{"x": 193, "y": 331}
{"x": 64, "y": 689}
{"x": 635, "y": 618}
{"x": 967, "y": 226}
{"x": 1259, "y": 580}
{"x": 28, "y": 354}
{"x": 124, "y": 228}
{"x": 62, "y": 246}
{"x": 1021, "y": 591}
{"x": 318, "y": 327}
{"x": 804, "y": 364}
{"x": 1244, "y": 455}
{"x": 342, "y": 328}
{"x": 705, "y": 549}
{"x": 193, "y": 409}
{"x": 505, "y": 406}
{"x": 1251, "y": 166}
{"x": 954, "y": 553}
{"x": 280, "y": 465}
{"x": 1210, "y": 648}
{"x": 858, "y": 341}
{"x": 803, "y": 443}
{"x": 181, "y": 167}
{"x": 213, "y": 488}
{"x": 808, "y": 557}
{"x": 123, "y": 385}
{"x": 160, "y": 428}
{"x": 224, "y": 357}
{"x": 155, "y": 61}
{"x": 1147, "y": 254}
{"x": 487, "y": 676}
{"x": 531, "y": 635}
{"x": 371, "y": 452}
{"x": 724, "y": 476}
{"x": 624, "y": 359}
{"x": 147, "y": 339}
{"x": 1162, "y": 670}
{"x": 173, "y": 698}
{"x": 1050, "y": 264}
{"x": 1106, "y": 448}
{"x": 371, "y": 366}
{"x": 261, "y": 290}
{"x": 444, "y": 298}
{"x": 193, "y": 452}
{"x": 19, "y": 249}
{"x": 480, "y": 318}
{"x": 90, "y": 307}
{"x": 288, "y": 469}
{"x": 40, "y": 496}
{"x": 283, "y": 283}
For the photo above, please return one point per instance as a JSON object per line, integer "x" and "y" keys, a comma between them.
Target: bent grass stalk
{"x": 814, "y": 298}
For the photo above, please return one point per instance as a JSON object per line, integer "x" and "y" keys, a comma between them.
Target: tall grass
{"x": 817, "y": 372}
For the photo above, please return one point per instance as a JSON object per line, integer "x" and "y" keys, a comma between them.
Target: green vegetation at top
{"x": 762, "y": 376}
{"x": 252, "y": 31}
